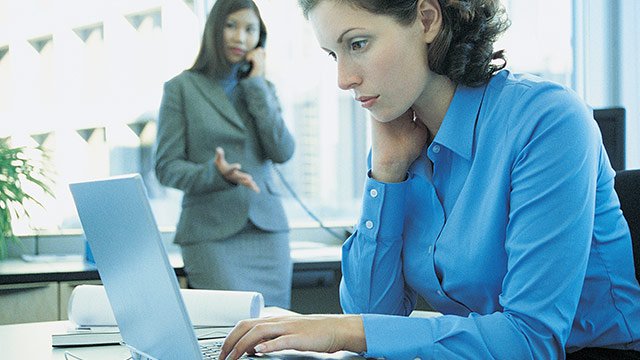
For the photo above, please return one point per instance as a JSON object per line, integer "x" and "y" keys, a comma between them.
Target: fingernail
{"x": 231, "y": 355}
{"x": 259, "y": 348}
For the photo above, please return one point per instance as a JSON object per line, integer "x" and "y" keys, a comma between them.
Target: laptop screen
{"x": 132, "y": 261}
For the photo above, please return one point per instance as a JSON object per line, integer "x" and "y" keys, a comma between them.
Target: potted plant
{"x": 22, "y": 170}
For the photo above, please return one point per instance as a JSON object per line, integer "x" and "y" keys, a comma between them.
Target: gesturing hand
{"x": 395, "y": 145}
{"x": 232, "y": 172}
{"x": 321, "y": 333}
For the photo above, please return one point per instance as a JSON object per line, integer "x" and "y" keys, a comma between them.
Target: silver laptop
{"x": 139, "y": 280}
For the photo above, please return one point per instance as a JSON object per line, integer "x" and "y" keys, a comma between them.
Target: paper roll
{"x": 89, "y": 306}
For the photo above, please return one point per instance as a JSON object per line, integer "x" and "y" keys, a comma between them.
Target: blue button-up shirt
{"x": 515, "y": 234}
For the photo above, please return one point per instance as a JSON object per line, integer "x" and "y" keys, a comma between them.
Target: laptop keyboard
{"x": 211, "y": 350}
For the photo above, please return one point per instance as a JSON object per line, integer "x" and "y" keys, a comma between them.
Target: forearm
{"x": 371, "y": 261}
{"x": 492, "y": 336}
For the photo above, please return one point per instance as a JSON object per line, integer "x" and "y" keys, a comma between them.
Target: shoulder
{"x": 526, "y": 101}
{"x": 186, "y": 78}
{"x": 530, "y": 92}
{"x": 520, "y": 111}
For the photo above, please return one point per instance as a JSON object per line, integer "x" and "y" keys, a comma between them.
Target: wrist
{"x": 392, "y": 171}
{"x": 353, "y": 334}
{"x": 387, "y": 175}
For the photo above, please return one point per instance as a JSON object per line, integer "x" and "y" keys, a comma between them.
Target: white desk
{"x": 33, "y": 341}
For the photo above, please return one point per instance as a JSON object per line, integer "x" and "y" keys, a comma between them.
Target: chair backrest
{"x": 611, "y": 122}
{"x": 627, "y": 187}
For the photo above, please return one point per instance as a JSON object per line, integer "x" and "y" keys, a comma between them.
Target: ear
{"x": 430, "y": 15}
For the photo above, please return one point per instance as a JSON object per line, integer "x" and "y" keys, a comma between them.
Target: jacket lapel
{"x": 213, "y": 93}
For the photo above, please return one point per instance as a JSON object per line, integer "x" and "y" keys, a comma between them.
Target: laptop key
{"x": 212, "y": 351}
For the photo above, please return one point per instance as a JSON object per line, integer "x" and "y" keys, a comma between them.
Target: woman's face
{"x": 241, "y": 34}
{"x": 383, "y": 62}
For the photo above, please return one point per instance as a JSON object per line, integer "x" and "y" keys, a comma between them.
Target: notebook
{"x": 140, "y": 283}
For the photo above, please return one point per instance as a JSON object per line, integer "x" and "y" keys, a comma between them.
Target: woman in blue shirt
{"x": 489, "y": 194}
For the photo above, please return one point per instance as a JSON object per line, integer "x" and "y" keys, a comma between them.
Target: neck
{"x": 433, "y": 104}
{"x": 232, "y": 75}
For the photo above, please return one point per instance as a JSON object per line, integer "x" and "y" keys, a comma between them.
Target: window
{"x": 539, "y": 39}
{"x": 96, "y": 75}
{"x": 86, "y": 82}
{"x": 328, "y": 169}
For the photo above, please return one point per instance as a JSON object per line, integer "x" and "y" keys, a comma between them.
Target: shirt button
{"x": 436, "y": 148}
{"x": 373, "y": 193}
{"x": 369, "y": 224}
{"x": 417, "y": 358}
{"x": 439, "y": 292}
{"x": 430, "y": 249}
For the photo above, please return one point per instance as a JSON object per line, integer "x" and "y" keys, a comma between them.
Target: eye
{"x": 333, "y": 55}
{"x": 251, "y": 29}
{"x": 358, "y": 45}
{"x": 230, "y": 25}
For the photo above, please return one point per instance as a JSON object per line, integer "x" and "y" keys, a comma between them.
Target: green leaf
{"x": 20, "y": 165}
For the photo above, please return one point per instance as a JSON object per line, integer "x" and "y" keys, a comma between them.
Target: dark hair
{"x": 463, "y": 49}
{"x": 211, "y": 59}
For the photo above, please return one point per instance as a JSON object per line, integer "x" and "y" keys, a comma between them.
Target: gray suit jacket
{"x": 195, "y": 117}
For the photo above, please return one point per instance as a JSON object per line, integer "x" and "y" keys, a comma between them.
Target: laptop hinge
{"x": 137, "y": 354}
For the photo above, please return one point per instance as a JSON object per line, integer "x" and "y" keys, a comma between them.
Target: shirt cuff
{"x": 398, "y": 337}
{"x": 383, "y": 209}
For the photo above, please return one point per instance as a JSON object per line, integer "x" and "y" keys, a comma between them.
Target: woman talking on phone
{"x": 220, "y": 127}
{"x": 489, "y": 194}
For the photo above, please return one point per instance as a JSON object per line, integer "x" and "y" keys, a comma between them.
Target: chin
{"x": 233, "y": 59}
{"x": 385, "y": 116}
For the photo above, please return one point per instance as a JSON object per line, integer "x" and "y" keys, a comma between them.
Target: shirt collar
{"x": 230, "y": 82}
{"x": 458, "y": 126}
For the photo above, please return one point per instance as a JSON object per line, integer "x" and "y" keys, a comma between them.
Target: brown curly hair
{"x": 463, "y": 49}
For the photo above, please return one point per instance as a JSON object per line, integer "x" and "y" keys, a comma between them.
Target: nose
{"x": 347, "y": 76}
{"x": 239, "y": 35}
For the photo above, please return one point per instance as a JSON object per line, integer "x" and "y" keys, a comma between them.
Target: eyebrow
{"x": 344, "y": 33}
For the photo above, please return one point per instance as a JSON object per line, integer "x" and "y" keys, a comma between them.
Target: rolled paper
{"x": 89, "y": 306}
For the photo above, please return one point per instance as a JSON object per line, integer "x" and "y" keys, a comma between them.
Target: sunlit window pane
{"x": 539, "y": 39}
{"x": 89, "y": 76}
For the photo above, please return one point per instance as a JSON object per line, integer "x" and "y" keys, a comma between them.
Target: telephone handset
{"x": 246, "y": 66}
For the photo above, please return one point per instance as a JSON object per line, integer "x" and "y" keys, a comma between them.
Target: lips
{"x": 237, "y": 51}
{"x": 367, "y": 101}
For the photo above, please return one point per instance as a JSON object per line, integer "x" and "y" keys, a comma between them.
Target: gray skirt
{"x": 251, "y": 260}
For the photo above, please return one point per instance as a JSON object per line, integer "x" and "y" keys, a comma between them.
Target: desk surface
{"x": 33, "y": 341}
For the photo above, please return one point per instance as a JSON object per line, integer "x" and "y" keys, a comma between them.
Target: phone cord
{"x": 295, "y": 196}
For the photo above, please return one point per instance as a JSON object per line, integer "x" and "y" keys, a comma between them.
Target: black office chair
{"x": 611, "y": 122}
{"x": 627, "y": 186}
